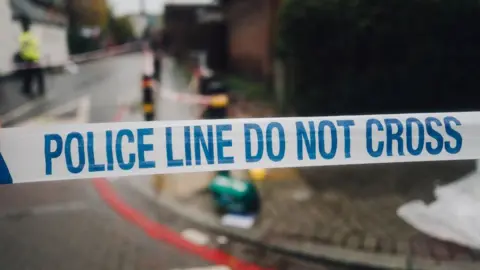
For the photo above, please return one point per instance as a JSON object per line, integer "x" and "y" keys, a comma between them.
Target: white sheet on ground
{"x": 454, "y": 215}
{"x": 238, "y": 221}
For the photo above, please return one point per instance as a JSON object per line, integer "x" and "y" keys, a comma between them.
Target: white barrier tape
{"x": 143, "y": 148}
{"x": 195, "y": 99}
{"x": 148, "y": 57}
{"x": 185, "y": 98}
{"x": 79, "y": 58}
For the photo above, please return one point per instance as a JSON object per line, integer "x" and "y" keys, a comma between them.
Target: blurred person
{"x": 159, "y": 43}
{"x": 155, "y": 46}
{"x": 166, "y": 40}
{"x": 30, "y": 57}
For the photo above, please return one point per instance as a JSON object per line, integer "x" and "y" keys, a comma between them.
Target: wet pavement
{"x": 68, "y": 225}
{"x": 345, "y": 213}
{"x": 65, "y": 225}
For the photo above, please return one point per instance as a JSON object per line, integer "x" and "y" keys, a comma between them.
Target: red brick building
{"x": 197, "y": 28}
{"x": 251, "y": 35}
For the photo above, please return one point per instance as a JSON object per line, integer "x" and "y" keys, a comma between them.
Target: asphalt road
{"x": 65, "y": 225}
{"x": 106, "y": 82}
{"x": 73, "y": 225}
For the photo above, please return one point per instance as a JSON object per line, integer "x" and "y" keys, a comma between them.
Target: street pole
{"x": 142, "y": 7}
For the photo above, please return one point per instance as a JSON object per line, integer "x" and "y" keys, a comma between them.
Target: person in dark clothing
{"x": 30, "y": 57}
{"x": 159, "y": 43}
{"x": 156, "y": 46}
{"x": 156, "y": 66}
{"x": 166, "y": 40}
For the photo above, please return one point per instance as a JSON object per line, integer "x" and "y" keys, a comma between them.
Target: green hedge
{"x": 78, "y": 44}
{"x": 247, "y": 88}
{"x": 376, "y": 56}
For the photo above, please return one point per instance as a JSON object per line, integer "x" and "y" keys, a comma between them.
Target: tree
{"x": 357, "y": 57}
{"x": 85, "y": 13}
{"x": 90, "y": 12}
{"x": 121, "y": 29}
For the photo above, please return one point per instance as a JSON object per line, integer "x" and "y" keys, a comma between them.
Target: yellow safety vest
{"x": 29, "y": 49}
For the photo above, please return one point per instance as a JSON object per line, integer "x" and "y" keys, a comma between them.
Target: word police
{"x": 252, "y": 142}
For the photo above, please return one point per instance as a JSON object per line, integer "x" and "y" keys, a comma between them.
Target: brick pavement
{"x": 350, "y": 207}
{"x": 65, "y": 225}
{"x": 355, "y": 206}
{"x": 355, "y": 212}
{"x": 248, "y": 252}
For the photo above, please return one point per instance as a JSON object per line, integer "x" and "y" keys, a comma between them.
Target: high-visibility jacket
{"x": 29, "y": 49}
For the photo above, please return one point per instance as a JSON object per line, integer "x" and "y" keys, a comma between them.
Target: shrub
{"x": 375, "y": 56}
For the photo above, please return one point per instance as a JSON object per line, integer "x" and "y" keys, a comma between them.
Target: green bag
{"x": 234, "y": 196}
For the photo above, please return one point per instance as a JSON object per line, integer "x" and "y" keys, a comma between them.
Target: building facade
{"x": 48, "y": 26}
{"x": 251, "y": 26}
{"x": 197, "y": 29}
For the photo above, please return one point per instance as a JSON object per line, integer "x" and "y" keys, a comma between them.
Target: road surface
{"x": 103, "y": 224}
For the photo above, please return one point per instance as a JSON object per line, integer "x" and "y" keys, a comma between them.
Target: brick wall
{"x": 251, "y": 25}
{"x": 189, "y": 34}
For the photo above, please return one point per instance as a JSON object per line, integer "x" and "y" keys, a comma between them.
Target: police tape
{"x": 221, "y": 100}
{"x": 143, "y": 148}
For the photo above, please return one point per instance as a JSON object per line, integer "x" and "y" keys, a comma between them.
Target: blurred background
{"x": 271, "y": 58}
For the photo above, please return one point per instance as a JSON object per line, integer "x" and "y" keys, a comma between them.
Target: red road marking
{"x": 119, "y": 114}
{"x": 161, "y": 232}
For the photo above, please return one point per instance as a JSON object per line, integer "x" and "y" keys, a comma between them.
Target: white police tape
{"x": 141, "y": 148}
{"x": 188, "y": 98}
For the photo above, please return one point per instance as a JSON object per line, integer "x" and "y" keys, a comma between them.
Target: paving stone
{"x": 386, "y": 245}
{"x": 353, "y": 242}
{"x": 460, "y": 253}
{"x": 420, "y": 247}
{"x": 462, "y": 256}
{"x": 440, "y": 250}
{"x": 324, "y": 234}
{"x": 402, "y": 247}
{"x": 339, "y": 237}
{"x": 328, "y": 217}
{"x": 370, "y": 243}
{"x": 475, "y": 254}
{"x": 361, "y": 200}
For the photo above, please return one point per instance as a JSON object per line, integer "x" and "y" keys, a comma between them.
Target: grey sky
{"x": 122, "y": 7}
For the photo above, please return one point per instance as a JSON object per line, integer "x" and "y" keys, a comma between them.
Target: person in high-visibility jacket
{"x": 30, "y": 56}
